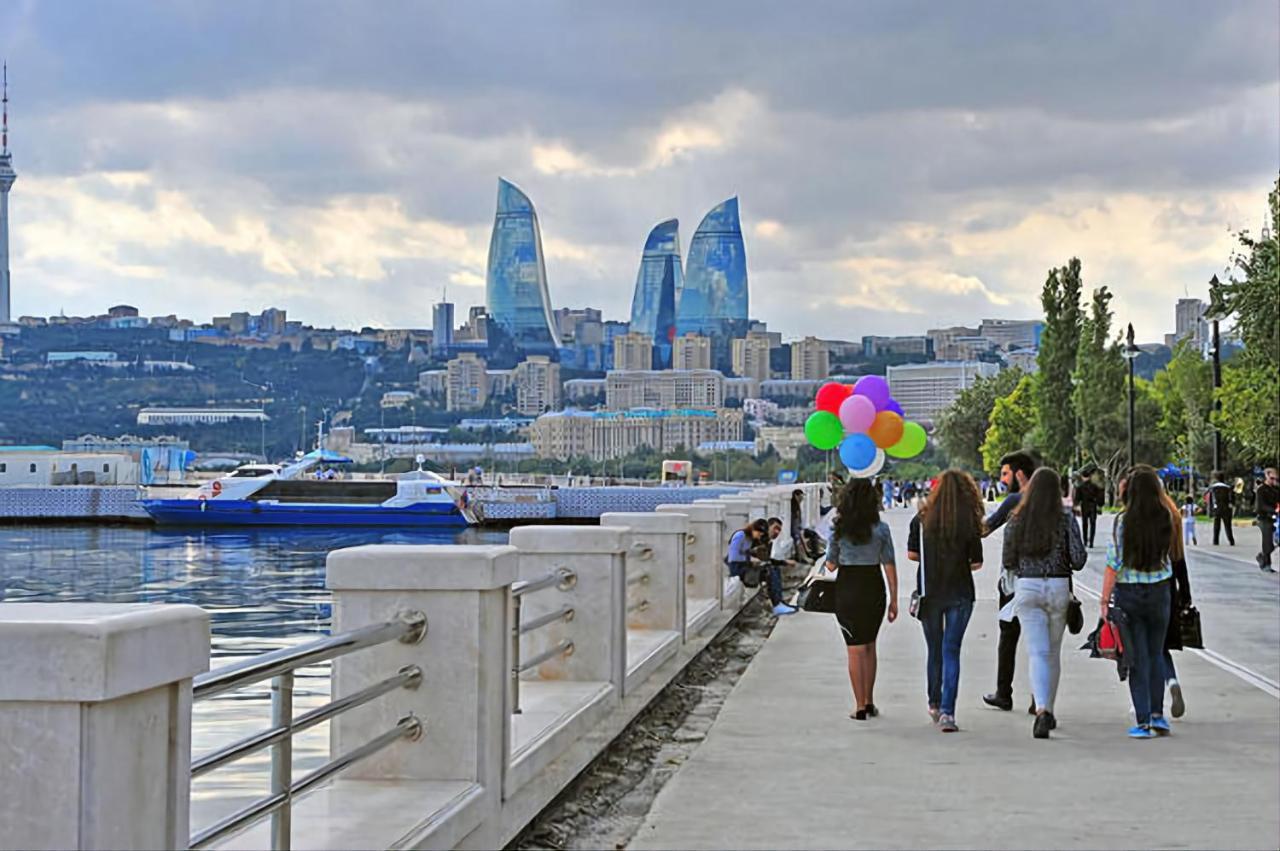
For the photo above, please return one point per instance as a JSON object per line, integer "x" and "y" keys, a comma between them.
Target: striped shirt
{"x": 1129, "y": 575}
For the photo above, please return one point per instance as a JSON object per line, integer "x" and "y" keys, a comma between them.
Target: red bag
{"x": 1109, "y": 644}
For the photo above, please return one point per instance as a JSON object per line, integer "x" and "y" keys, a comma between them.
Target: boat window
{"x": 250, "y": 474}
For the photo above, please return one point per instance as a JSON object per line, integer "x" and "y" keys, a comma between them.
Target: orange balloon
{"x": 886, "y": 430}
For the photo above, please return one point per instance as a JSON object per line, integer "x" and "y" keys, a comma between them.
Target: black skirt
{"x": 860, "y": 602}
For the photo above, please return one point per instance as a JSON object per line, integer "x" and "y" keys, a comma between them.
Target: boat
{"x": 307, "y": 493}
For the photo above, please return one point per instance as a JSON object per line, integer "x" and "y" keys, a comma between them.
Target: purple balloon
{"x": 857, "y": 413}
{"x": 895, "y": 407}
{"x": 874, "y": 388}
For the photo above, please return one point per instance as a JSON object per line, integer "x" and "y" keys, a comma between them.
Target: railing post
{"x": 704, "y": 549}
{"x": 655, "y": 549}
{"x": 95, "y": 723}
{"x": 282, "y": 761}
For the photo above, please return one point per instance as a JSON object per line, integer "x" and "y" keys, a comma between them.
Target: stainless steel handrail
{"x": 409, "y": 629}
{"x": 563, "y": 613}
{"x": 564, "y": 577}
{"x": 407, "y": 727}
{"x": 564, "y": 647}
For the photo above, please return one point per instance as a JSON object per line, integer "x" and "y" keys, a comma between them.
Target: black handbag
{"x": 1189, "y": 628}
{"x": 817, "y": 597}
{"x": 752, "y": 575}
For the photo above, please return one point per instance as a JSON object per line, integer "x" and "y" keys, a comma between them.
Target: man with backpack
{"x": 1222, "y": 502}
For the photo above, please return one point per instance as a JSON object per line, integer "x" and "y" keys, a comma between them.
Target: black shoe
{"x": 1042, "y": 726}
{"x": 1053, "y": 721}
{"x": 872, "y": 712}
{"x": 998, "y": 702}
{"x": 1031, "y": 710}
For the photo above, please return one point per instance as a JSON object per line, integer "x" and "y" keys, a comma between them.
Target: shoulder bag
{"x": 918, "y": 595}
{"x": 1075, "y": 609}
{"x": 1189, "y": 627}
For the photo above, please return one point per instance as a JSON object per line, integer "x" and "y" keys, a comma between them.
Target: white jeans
{"x": 1041, "y": 607}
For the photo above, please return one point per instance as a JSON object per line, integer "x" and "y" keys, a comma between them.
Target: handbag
{"x": 1189, "y": 628}
{"x": 1075, "y": 609}
{"x": 913, "y": 608}
{"x": 817, "y": 596}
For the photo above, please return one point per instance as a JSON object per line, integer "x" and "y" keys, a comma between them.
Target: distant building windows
{"x": 106, "y": 468}
{"x": 33, "y": 468}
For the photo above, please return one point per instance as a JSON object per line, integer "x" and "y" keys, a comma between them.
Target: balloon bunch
{"x": 866, "y": 424}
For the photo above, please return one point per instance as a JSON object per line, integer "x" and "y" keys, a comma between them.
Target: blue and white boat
{"x": 302, "y": 494}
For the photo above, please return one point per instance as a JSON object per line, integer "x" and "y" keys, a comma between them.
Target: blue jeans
{"x": 1143, "y": 627}
{"x": 944, "y": 628}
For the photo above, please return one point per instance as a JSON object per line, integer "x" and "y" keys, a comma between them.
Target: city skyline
{"x": 907, "y": 191}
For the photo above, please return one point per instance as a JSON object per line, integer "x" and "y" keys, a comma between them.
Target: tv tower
{"x": 7, "y": 177}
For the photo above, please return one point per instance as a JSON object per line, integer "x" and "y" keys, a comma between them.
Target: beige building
{"x": 1009, "y": 334}
{"x": 537, "y": 381}
{"x": 810, "y": 359}
{"x": 468, "y": 383}
{"x": 691, "y": 351}
{"x": 633, "y": 351}
{"x": 433, "y": 383}
{"x": 751, "y": 356}
{"x": 925, "y": 390}
{"x": 604, "y": 435}
{"x": 577, "y": 389}
{"x": 664, "y": 388}
{"x": 787, "y": 440}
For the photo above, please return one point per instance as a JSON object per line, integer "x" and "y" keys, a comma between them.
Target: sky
{"x": 900, "y": 165}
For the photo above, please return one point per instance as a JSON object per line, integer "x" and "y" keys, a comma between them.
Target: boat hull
{"x": 247, "y": 512}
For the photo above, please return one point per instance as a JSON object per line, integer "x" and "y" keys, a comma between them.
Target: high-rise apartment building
{"x": 516, "y": 281}
{"x": 810, "y": 359}
{"x": 713, "y": 301}
{"x": 633, "y": 350}
{"x": 665, "y": 388}
{"x": 1010, "y": 334}
{"x": 873, "y": 347}
{"x": 692, "y": 351}
{"x": 925, "y": 390}
{"x": 1190, "y": 324}
{"x": 442, "y": 327}
{"x": 7, "y": 177}
{"x": 751, "y": 355}
{"x": 468, "y": 383}
{"x": 603, "y": 435}
{"x": 537, "y": 381}
{"x": 653, "y": 305}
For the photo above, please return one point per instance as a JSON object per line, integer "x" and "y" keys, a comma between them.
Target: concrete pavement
{"x": 784, "y": 767}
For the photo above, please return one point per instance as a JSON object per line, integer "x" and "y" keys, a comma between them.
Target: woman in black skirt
{"x": 859, "y": 547}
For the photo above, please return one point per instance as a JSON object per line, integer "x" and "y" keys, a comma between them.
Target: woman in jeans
{"x": 859, "y": 547}
{"x": 1137, "y": 591}
{"x": 951, "y": 524}
{"x": 1042, "y": 546}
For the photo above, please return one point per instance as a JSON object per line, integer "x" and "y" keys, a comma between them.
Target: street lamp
{"x": 1130, "y": 352}
{"x": 1215, "y": 312}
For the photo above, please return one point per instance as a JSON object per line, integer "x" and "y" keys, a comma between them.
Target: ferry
{"x": 300, "y": 494}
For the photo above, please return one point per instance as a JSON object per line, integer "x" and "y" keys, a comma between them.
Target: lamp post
{"x": 1213, "y": 314}
{"x": 1131, "y": 353}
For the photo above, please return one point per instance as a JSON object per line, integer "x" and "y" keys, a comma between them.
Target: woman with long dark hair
{"x": 949, "y": 527}
{"x": 1136, "y": 594}
{"x": 859, "y": 547}
{"x": 1042, "y": 546}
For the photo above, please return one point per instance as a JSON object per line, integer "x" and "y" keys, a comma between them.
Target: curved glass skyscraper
{"x": 516, "y": 281}
{"x": 713, "y": 301}
{"x": 653, "y": 307}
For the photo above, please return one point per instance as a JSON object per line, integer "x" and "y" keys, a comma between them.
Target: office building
{"x": 537, "y": 381}
{"x": 713, "y": 301}
{"x": 1009, "y": 334}
{"x": 198, "y": 416}
{"x": 633, "y": 350}
{"x": 877, "y": 347}
{"x": 7, "y": 178}
{"x": 433, "y": 383}
{"x": 605, "y": 435}
{"x": 467, "y": 387}
{"x": 943, "y": 340}
{"x": 751, "y": 355}
{"x": 569, "y": 319}
{"x": 1190, "y": 324}
{"x": 441, "y": 327}
{"x": 667, "y": 388}
{"x": 925, "y": 390}
{"x": 1026, "y": 360}
{"x": 692, "y": 351}
{"x": 740, "y": 389}
{"x": 810, "y": 359}
{"x": 578, "y": 390}
{"x": 653, "y": 305}
{"x": 516, "y": 281}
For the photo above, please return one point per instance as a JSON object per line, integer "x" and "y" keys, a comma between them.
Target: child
{"x": 1189, "y": 521}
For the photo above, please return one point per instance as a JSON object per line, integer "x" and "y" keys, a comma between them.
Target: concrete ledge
{"x": 555, "y": 715}
{"x": 649, "y": 522}
{"x": 420, "y": 567}
{"x": 699, "y": 611}
{"x": 567, "y": 539}
{"x": 646, "y": 650}
{"x": 695, "y": 511}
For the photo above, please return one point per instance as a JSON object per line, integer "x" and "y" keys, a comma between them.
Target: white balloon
{"x": 871, "y": 469}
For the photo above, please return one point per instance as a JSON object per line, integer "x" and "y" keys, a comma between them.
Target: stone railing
{"x": 536, "y": 655}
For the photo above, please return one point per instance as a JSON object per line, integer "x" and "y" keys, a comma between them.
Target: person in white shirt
{"x": 781, "y": 552}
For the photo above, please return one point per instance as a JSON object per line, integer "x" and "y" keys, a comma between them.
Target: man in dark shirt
{"x": 1268, "y": 496}
{"x": 1222, "y": 503}
{"x": 1015, "y": 471}
{"x": 1088, "y": 501}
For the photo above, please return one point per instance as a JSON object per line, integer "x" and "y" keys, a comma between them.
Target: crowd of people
{"x": 1146, "y": 588}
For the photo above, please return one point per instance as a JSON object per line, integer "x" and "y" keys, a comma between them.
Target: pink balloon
{"x": 857, "y": 413}
{"x": 874, "y": 388}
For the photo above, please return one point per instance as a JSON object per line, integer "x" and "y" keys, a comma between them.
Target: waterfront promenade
{"x": 784, "y": 767}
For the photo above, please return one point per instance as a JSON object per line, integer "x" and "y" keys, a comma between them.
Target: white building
{"x": 1190, "y": 324}
{"x": 398, "y": 398}
{"x": 199, "y": 416}
{"x": 576, "y": 389}
{"x": 810, "y": 359}
{"x": 604, "y": 435}
{"x": 433, "y": 383}
{"x": 925, "y": 390}
{"x": 664, "y": 388}
{"x": 44, "y": 467}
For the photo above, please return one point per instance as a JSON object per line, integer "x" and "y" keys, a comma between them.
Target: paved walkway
{"x": 784, "y": 767}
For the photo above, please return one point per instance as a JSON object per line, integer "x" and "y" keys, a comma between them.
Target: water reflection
{"x": 263, "y": 588}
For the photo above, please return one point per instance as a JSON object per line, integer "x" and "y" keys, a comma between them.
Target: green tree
{"x": 1099, "y": 395}
{"x": 963, "y": 426}
{"x": 1059, "y": 344}
{"x": 1012, "y": 419}
{"x": 1250, "y": 392}
{"x": 1184, "y": 390}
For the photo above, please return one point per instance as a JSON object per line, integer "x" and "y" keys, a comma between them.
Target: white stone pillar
{"x": 655, "y": 550}
{"x": 95, "y": 723}
{"x": 704, "y": 549}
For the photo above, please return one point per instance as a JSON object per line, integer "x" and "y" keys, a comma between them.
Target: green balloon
{"x": 912, "y": 443}
{"x": 824, "y": 430}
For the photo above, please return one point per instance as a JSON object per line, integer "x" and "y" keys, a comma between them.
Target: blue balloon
{"x": 857, "y": 451}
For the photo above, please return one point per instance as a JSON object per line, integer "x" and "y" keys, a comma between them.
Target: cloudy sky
{"x": 900, "y": 165}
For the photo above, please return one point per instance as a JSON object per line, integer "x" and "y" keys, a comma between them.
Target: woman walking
{"x": 1042, "y": 546}
{"x": 949, "y": 528}
{"x": 1136, "y": 594}
{"x": 859, "y": 547}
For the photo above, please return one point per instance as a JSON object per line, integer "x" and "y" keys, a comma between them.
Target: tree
{"x": 1012, "y": 420}
{"x": 1059, "y": 343}
{"x": 963, "y": 426}
{"x": 1250, "y": 392}
{"x": 1185, "y": 392}
{"x": 1099, "y": 393}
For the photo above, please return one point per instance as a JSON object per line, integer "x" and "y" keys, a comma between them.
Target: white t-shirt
{"x": 783, "y": 548}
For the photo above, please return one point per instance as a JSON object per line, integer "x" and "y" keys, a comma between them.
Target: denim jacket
{"x": 1066, "y": 554}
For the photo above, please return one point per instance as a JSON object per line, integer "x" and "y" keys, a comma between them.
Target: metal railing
{"x": 563, "y": 579}
{"x": 280, "y": 666}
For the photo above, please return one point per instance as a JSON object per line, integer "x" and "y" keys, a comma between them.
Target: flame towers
{"x": 653, "y": 306}
{"x": 713, "y": 301}
{"x": 516, "y": 281}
